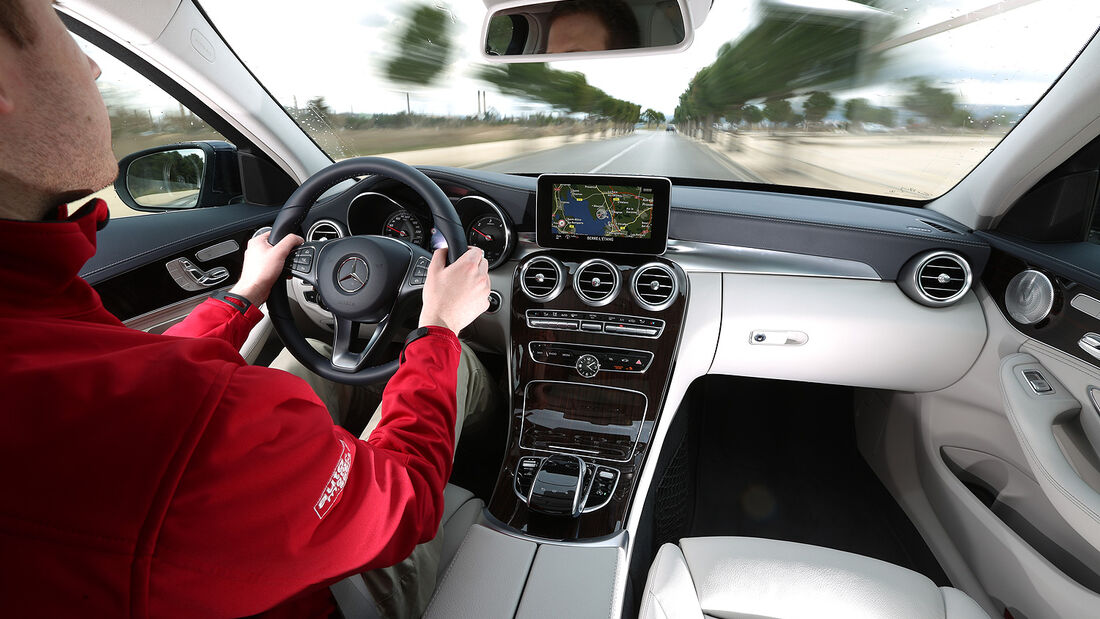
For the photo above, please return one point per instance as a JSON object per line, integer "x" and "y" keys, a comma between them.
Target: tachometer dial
{"x": 405, "y": 226}
{"x": 488, "y": 233}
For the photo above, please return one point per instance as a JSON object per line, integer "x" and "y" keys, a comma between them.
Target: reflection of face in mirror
{"x": 590, "y": 26}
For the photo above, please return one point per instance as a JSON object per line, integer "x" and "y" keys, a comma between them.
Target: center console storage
{"x": 528, "y": 580}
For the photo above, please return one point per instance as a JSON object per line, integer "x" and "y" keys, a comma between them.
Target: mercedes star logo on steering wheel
{"x": 352, "y": 274}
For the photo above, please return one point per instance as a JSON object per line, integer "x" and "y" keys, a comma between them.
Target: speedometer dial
{"x": 488, "y": 233}
{"x": 405, "y": 226}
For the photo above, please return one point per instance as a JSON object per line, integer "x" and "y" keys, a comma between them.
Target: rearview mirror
{"x": 573, "y": 29}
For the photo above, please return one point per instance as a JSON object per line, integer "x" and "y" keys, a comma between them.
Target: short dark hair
{"x": 14, "y": 22}
{"x": 617, "y": 17}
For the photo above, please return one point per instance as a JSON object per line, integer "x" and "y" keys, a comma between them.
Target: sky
{"x": 338, "y": 48}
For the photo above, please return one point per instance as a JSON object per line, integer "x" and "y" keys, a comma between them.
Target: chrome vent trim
{"x": 542, "y": 278}
{"x": 654, "y": 286}
{"x": 936, "y": 278}
{"x": 325, "y": 228}
{"x": 597, "y": 282}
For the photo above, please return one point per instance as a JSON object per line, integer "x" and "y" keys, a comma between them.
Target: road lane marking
{"x": 624, "y": 151}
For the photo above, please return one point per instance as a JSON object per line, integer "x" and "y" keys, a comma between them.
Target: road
{"x": 661, "y": 153}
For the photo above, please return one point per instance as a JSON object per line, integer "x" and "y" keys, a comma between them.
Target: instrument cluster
{"x": 408, "y": 218}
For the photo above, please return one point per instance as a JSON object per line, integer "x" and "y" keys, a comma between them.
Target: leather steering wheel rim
{"x": 290, "y": 219}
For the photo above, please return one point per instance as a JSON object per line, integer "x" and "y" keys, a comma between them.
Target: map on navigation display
{"x": 602, "y": 211}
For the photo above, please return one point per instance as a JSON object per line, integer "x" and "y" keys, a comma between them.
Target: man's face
{"x": 577, "y": 32}
{"x": 55, "y": 135}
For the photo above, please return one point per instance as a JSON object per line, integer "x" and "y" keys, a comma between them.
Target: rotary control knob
{"x": 588, "y": 365}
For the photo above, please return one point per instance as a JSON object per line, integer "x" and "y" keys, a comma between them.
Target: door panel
{"x": 1006, "y": 487}
{"x": 130, "y": 272}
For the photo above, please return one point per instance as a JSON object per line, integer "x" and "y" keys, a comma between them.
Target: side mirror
{"x": 573, "y": 29}
{"x": 179, "y": 176}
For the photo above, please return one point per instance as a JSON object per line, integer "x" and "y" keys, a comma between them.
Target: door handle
{"x": 1090, "y": 343}
{"x": 192, "y": 278}
{"x": 1034, "y": 418}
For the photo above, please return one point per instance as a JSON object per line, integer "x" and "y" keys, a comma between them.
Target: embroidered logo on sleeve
{"x": 334, "y": 489}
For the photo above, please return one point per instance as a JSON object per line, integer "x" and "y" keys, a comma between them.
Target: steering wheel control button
{"x": 352, "y": 274}
{"x": 302, "y": 259}
{"x": 588, "y": 365}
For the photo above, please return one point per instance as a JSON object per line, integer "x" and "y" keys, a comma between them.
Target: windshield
{"x": 897, "y": 98}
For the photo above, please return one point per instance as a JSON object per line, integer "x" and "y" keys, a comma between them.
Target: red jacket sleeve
{"x": 276, "y": 500}
{"x": 213, "y": 318}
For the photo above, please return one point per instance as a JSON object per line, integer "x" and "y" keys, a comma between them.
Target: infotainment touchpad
{"x": 623, "y": 214}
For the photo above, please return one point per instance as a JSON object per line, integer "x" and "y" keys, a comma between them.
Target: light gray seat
{"x": 753, "y": 578}
{"x": 461, "y": 510}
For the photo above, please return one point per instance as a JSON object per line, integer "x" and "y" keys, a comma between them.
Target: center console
{"x": 595, "y": 322}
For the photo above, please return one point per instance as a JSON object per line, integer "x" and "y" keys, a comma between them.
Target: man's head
{"x": 55, "y": 136}
{"x": 591, "y": 25}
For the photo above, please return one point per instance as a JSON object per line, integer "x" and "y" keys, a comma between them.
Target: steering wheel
{"x": 363, "y": 279}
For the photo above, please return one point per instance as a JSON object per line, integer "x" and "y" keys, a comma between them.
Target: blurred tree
{"x": 653, "y": 117}
{"x": 861, "y": 111}
{"x": 933, "y": 103}
{"x": 752, "y": 114}
{"x": 424, "y": 50}
{"x": 818, "y": 106}
{"x": 777, "y": 110}
{"x": 858, "y": 110}
{"x": 567, "y": 91}
{"x": 319, "y": 106}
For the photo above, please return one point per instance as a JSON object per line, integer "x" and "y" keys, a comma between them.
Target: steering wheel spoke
{"x": 345, "y": 332}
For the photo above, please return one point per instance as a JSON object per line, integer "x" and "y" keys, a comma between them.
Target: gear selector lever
{"x": 558, "y": 486}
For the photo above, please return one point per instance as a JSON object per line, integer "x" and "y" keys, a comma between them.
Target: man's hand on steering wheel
{"x": 457, "y": 294}
{"x": 263, "y": 266}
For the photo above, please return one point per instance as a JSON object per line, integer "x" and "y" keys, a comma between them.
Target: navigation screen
{"x": 602, "y": 210}
{"x": 625, "y": 214}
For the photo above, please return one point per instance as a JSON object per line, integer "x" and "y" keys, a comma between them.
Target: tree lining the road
{"x": 568, "y": 91}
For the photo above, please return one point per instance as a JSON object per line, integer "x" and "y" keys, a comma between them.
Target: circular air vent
{"x": 542, "y": 278}
{"x": 1029, "y": 297}
{"x": 324, "y": 230}
{"x": 654, "y": 286}
{"x": 596, "y": 282}
{"x": 936, "y": 278}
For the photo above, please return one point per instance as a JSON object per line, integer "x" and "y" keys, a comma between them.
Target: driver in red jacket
{"x": 158, "y": 475}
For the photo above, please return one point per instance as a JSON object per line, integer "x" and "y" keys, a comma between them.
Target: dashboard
{"x": 613, "y": 293}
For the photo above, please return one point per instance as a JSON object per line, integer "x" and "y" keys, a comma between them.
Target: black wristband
{"x": 236, "y": 301}
{"x": 414, "y": 335}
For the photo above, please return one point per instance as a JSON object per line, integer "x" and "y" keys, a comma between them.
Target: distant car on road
{"x": 670, "y": 127}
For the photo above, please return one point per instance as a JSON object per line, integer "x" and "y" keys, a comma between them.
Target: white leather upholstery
{"x": 486, "y": 578}
{"x": 751, "y": 578}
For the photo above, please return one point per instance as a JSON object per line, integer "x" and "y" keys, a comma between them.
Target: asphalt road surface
{"x": 660, "y": 153}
